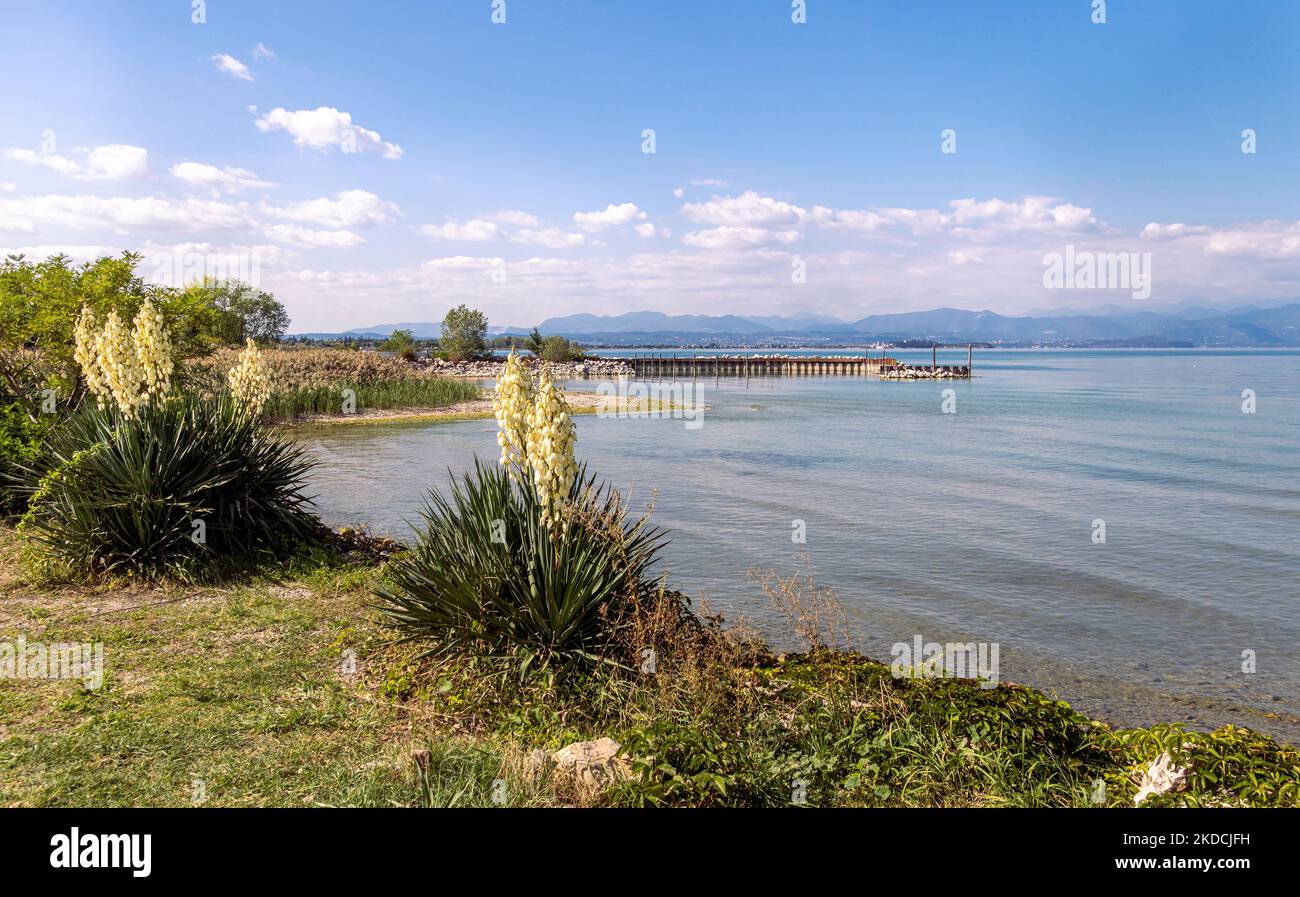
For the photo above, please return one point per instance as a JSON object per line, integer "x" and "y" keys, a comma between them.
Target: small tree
{"x": 559, "y": 349}
{"x": 247, "y": 312}
{"x": 536, "y": 342}
{"x": 464, "y": 333}
{"x": 402, "y": 342}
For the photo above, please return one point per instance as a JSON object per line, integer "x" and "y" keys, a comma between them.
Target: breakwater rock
{"x": 599, "y": 368}
{"x": 907, "y": 372}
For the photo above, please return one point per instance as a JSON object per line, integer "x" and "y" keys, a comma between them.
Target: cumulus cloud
{"x": 227, "y": 180}
{"x": 731, "y": 237}
{"x": 332, "y": 216}
{"x": 347, "y": 208}
{"x": 297, "y": 235}
{"x": 611, "y": 216}
{"x": 548, "y": 237}
{"x": 262, "y": 52}
{"x": 476, "y": 230}
{"x": 848, "y": 219}
{"x": 229, "y": 65}
{"x": 1265, "y": 240}
{"x": 1157, "y": 231}
{"x": 323, "y": 127}
{"x": 515, "y": 217}
{"x": 118, "y": 213}
{"x": 111, "y": 162}
{"x": 78, "y": 252}
{"x": 749, "y": 209}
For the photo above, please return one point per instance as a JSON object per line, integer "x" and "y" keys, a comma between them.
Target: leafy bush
{"x": 25, "y": 421}
{"x": 20, "y": 444}
{"x": 553, "y": 348}
{"x": 487, "y": 576}
{"x": 188, "y": 487}
{"x": 558, "y": 349}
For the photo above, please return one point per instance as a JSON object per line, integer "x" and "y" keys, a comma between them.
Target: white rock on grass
{"x": 592, "y": 765}
{"x": 1161, "y": 777}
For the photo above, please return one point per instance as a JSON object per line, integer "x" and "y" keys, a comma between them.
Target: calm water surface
{"x": 973, "y": 526}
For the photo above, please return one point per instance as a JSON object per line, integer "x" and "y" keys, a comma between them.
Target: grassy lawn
{"x": 238, "y": 687}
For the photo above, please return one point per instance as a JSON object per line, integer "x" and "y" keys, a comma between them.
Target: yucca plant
{"x": 190, "y": 487}
{"x": 486, "y": 575}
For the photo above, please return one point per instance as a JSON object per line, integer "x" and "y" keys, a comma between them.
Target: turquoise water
{"x": 972, "y": 526}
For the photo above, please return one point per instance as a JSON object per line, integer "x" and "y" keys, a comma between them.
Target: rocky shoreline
{"x": 587, "y": 368}
{"x": 904, "y": 372}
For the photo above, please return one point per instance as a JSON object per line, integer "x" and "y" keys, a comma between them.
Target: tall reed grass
{"x": 313, "y": 381}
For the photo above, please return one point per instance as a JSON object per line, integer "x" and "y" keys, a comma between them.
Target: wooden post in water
{"x": 934, "y": 356}
{"x": 970, "y": 360}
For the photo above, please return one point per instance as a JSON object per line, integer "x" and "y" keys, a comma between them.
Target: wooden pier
{"x": 692, "y": 366}
{"x": 686, "y": 366}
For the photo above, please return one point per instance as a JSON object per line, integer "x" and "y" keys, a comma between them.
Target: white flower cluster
{"x": 249, "y": 383}
{"x": 537, "y": 436}
{"x": 551, "y": 438}
{"x": 514, "y": 399}
{"x": 153, "y": 349}
{"x": 127, "y": 367}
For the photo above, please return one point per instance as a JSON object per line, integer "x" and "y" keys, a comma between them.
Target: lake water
{"x": 973, "y": 526}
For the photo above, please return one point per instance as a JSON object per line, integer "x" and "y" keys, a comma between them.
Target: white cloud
{"x": 333, "y": 216}
{"x": 298, "y": 235}
{"x": 678, "y": 192}
{"x": 645, "y": 229}
{"x": 52, "y": 161}
{"x": 348, "y": 208}
{"x": 611, "y": 216}
{"x": 262, "y": 52}
{"x": 116, "y": 162}
{"x": 77, "y": 252}
{"x": 515, "y": 217}
{"x": 730, "y": 237}
{"x": 224, "y": 62}
{"x": 323, "y": 127}
{"x": 111, "y": 162}
{"x": 749, "y": 209}
{"x": 476, "y": 230}
{"x": 548, "y": 237}
{"x": 970, "y": 217}
{"x": 228, "y": 179}
{"x": 848, "y": 219}
{"x": 1157, "y": 231}
{"x": 1265, "y": 240}
{"x": 118, "y": 213}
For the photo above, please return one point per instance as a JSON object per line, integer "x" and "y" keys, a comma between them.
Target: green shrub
{"x": 192, "y": 488}
{"x": 486, "y": 576}
{"x": 20, "y": 445}
{"x": 558, "y": 349}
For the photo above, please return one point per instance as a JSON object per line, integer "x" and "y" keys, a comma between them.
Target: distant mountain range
{"x": 1190, "y": 325}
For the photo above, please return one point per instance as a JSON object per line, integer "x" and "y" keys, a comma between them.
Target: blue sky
{"x": 520, "y": 185}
